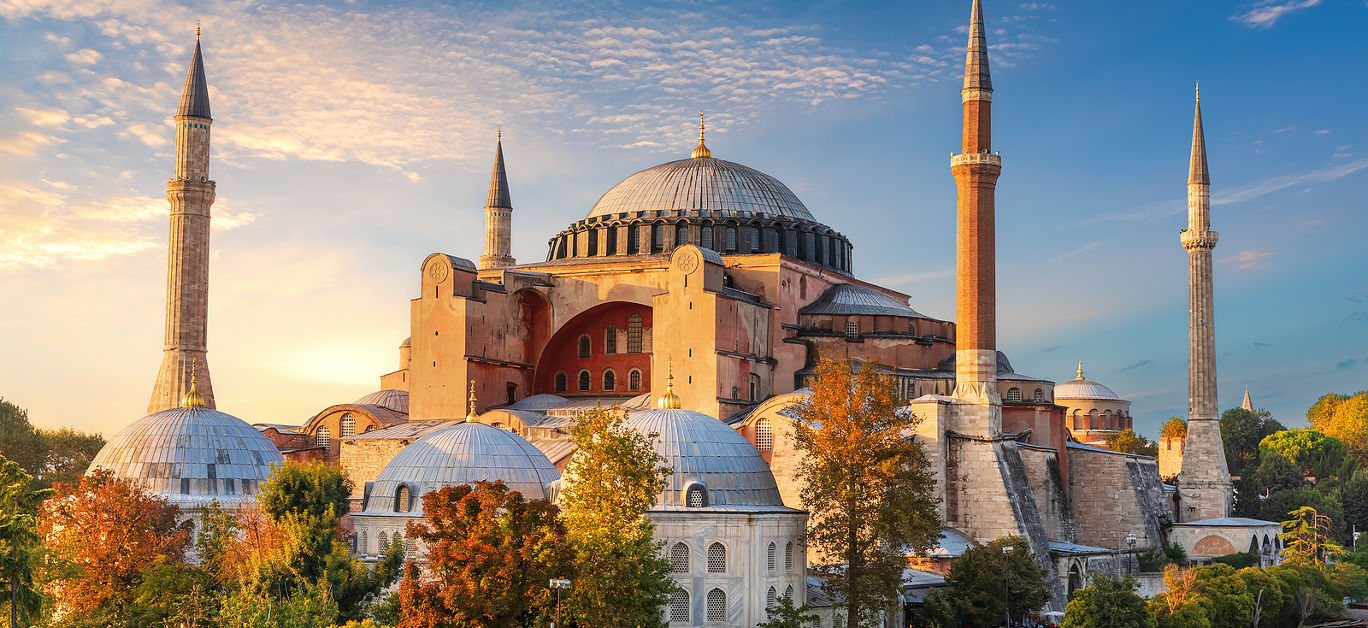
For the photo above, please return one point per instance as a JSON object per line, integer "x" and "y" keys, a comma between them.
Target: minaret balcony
{"x": 994, "y": 159}
{"x": 1198, "y": 239}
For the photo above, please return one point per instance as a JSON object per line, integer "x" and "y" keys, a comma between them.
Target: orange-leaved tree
{"x": 1344, "y": 417}
{"x": 490, "y": 557}
{"x": 867, "y": 485}
{"x": 100, "y": 533}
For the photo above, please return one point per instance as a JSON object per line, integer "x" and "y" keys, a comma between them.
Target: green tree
{"x": 19, "y": 441}
{"x": 20, "y": 545}
{"x": 1344, "y": 417}
{"x": 1277, "y": 506}
{"x": 1312, "y": 452}
{"x": 784, "y": 615}
{"x": 1241, "y": 432}
{"x": 1274, "y": 474}
{"x": 866, "y": 484}
{"x": 988, "y": 576}
{"x": 308, "y": 605}
{"x": 614, "y": 478}
{"x": 1108, "y": 603}
{"x": 490, "y": 556}
{"x": 1127, "y": 441}
{"x": 1272, "y": 597}
{"x": 50, "y": 456}
{"x": 1226, "y": 598}
{"x": 1354, "y": 499}
{"x": 174, "y": 594}
{"x": 1307, "y": 539}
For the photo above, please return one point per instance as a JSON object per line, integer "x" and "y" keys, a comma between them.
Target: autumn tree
{"x": 20, "y": 544}
{"x": 1241, "y": 432}
{"x": 1174, "y": 427}
{"x": 1127, "y": 441}
{"x": 615, "y": 477}
{"x": 100, "y": 533}
{"x": 1108, "y": 603}
{"x": 490, "y": 557}
{"x": 1343, "y": 417}
{"x": 866, "y": 484}
{"x": 989, "y": 578}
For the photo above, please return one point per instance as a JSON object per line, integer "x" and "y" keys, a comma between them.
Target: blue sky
{"x": 352, "y": 139}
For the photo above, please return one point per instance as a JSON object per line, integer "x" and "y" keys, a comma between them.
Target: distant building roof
{"x": 952, "y": 544}
{"x": 1075, "y": 548}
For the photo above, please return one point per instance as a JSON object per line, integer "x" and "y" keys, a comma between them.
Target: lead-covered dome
{"x": 1080, "y": 388}
{"x": 463, "y": 453}
{"x": 708, "y": 455}
{"x": 191, "y": 455}
{"x": 701, "y": 184}
{"x": 396, "y": 400}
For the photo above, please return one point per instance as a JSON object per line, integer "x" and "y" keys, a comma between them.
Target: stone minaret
{"x": 1204, "y": 481}
{"x": 498, "y": 216}
{"x": 976, "y": 171}
{"x": 187, "y": 271}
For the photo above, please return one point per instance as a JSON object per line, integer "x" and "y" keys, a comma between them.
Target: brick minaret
{"x": 976, "y": 171}
{"x": 498, "y": 216}
{"x": 1204, "y": 481}
{"x": 187, "y": 270}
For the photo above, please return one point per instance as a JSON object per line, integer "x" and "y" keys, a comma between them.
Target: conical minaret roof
{"x": 498, "y": 180}
{"x": 195, "y": 97}
{"x": 976, "y": 60}
{"x": 1247, "y": 404}
{"x": 1197, "y": 169}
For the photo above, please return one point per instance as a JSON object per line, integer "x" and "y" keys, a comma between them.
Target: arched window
{"x": 584, "y": 346}
{"x": 717, "y": 558}
{"x": 1014, "y": 394}
{"x": 365, "y": 544}
{"x": 679, "y": 558}
{"x": 348, "y": 426}
{"x": 681, "y": 234}
{"x": 634, "y": 380}
{"x": 788, "y": 557}
{"x": 657, "y": 238}
{"x": 696, "y": 497}
{"x": 852, "y": 329}
{"x": 411, "y": 546}
{"x": 706, "y": 237}
{"x": 754, "y": 387}
{"x": 1039, "y": 396}
{"x": 610, "y": 241}
{"x": 764, "y": 435}
{"x": 730, "y": 239}
{"x": 788, "y": 592}
{"x": 679, "y": 606}
{"x": 633, "y": 239}
{"x": 610, "y": 339}
{"x": 403, "y": 499}
{"x": 634, "y": 333}
{"x": 911, "y": 329}
{"x": 583, "y": 380}
{"x": 717, "y": 605}
{"x": 609, "y": 380}
{"x": 324, "y": 439}
{"x": 384, "y": 543}
{"x": 593, "y": 242}
{"x": 771, "y": 557}
{"x": 754, "y": 239}
{"x": 771, "y": 598}
{"x": 560, "y": 381}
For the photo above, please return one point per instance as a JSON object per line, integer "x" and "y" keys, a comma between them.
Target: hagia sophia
{"x": 698, "y": 296}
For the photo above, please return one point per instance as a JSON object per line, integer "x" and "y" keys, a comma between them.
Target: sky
{"x": 352, "y": 139}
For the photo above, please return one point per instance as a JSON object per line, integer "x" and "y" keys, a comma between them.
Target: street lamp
{"x": 1130, "y": 541}
{"x": 1006, "y": 600}
{"x": 558, "y": 584}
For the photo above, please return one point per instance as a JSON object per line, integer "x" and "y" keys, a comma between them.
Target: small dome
{"x": 543, "y": 401}
{"x": 701, "y": 184}
{"x": 1080, "y": 388}
{"x": 462, "y": 453}
{"x": 705, "y": 451}
{"x": 396, "y": 400}
{"x": 845, "y": 299}
{"x": 191, "y": 455}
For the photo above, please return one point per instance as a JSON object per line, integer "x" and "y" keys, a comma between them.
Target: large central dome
{"x": 701, "y": 184}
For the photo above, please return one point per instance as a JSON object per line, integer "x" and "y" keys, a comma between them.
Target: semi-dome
{"x": 462, "y": 453}
{"x": 706, "y": 454}
{"x": 396, "y": 400}
{"x": 191, "y": 455}
{"x": 1080, "y": 388}
{"x": 701, "y": 184}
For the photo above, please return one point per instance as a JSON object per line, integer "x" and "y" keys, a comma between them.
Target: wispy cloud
{"x": 1346, "y": 363}
{"x": 1273, "y": 184}
{"x": 1267, "y": 13}
{"x": 1137, "y": 365}
{"x": 1247, "y": 259}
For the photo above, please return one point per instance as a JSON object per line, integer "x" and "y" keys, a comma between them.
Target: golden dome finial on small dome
{"x": 702, "y": 149}
{"x": 1080, "y": 370}
{"x": 193, "y": 397}
{"x": 472, "y": 416}
{"x": 669, "y": 400}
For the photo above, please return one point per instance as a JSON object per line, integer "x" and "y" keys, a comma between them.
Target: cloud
{"x": 1260, "y": 345}
{"x": 44, "y": 117}
{"x": 24, "y": 143}
{"x": 1346, "y": 363}
{"x": 1265, "y": 14}
{"x": 84, "y": 57}
{"x": 1247, "y": 259}
{"x": 1135, "y": 366}
{"x": 1273, "y": 184}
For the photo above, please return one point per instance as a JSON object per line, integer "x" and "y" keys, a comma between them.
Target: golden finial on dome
{"x": 669, "y": 400}
{"x": 472, "y": 416}
{"x": 702, "y": 149}
{"x": 1080, "y": 370}
{"x": 192, "y": 397}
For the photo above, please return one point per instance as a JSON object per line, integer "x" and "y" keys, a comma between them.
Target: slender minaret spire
{"x": 1204, "y": 481}
{"x": 191, "y": 193}
{"x": 1247, "y": 404}
{"x": 498, "y": 215}
{"x": 976, "y": 171}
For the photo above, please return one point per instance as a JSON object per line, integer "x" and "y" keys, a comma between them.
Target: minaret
{"x": 498, "y": 215}
{"x": 187, "y": 272}
{"x": 976, "y": 171}
{"x": 1204, "y": 481}
{"x": 1247, "y": 404}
